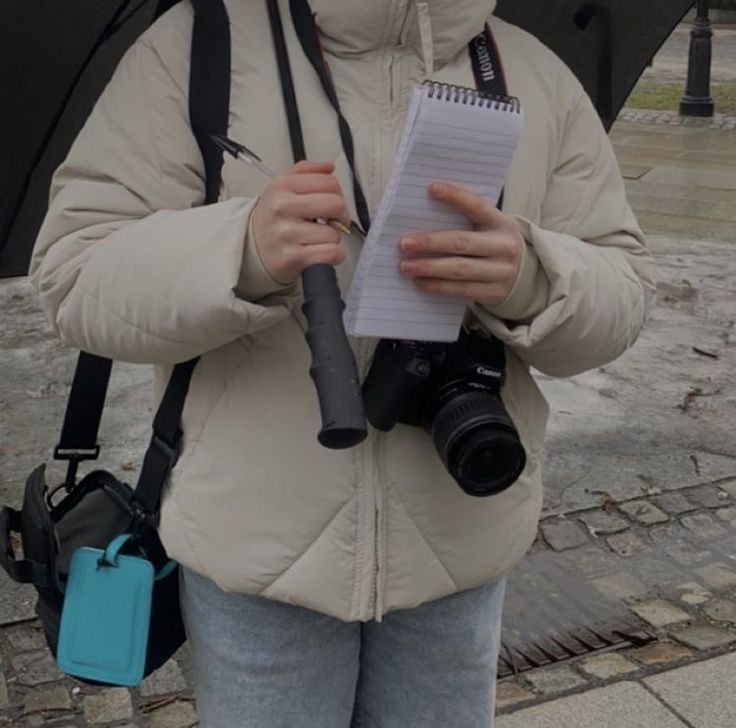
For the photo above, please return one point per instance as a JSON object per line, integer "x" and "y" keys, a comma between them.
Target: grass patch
{"x": 650, "y": 94}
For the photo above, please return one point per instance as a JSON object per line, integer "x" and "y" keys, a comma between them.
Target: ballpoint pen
{"x": 241, "y": 152}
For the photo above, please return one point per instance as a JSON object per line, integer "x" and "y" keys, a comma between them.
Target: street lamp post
{"x": 697, "y": 100}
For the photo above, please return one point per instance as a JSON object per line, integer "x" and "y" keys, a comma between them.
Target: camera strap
{"x": 485, "y": 58}
{"x": 209, "y": 104}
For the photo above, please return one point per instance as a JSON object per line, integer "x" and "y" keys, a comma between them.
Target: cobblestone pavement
{"x": 719, "y": 122}
{"x": 669, "y": 559}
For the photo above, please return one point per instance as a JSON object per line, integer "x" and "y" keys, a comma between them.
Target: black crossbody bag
{"x": 38, "y": 541}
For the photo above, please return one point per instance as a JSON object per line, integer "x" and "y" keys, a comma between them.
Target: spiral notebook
{"x": 452, "y": 134}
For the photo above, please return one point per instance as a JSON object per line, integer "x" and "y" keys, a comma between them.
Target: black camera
{"x": 452, "y": 391}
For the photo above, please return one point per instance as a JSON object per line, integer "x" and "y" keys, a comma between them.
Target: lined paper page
{"x": 443, "y": 141}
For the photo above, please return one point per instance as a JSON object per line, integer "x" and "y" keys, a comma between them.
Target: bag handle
{"x": 209, "y": 105}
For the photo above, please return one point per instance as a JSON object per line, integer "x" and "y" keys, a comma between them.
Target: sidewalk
{"x": 700, "y": 695}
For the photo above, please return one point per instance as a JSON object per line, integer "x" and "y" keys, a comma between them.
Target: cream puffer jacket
{"x": 128, "y": 265}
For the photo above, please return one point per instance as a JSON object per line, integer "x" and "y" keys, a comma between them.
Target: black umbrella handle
{"x": 333, "y": 369}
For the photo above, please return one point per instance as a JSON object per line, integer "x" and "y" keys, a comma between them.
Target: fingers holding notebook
{"x": 480, "y": 265}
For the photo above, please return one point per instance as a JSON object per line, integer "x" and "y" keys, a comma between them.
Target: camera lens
{"x": 487, "y": 462}
{"x": 478, "y": 443}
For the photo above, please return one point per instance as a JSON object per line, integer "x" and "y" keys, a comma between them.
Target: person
{"x": 320, "y": 586}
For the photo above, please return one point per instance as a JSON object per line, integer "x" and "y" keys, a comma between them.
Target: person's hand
{"x": 286, "y": 235}
{"x": 480, "y": 265}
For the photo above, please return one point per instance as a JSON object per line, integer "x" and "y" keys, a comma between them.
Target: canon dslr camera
{"x": 452, "y": 391}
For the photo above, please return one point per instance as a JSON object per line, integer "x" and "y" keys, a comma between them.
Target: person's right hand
{"x": 286, "y": 235}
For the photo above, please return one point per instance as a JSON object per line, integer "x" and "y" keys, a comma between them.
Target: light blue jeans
{"x": 262, "y": 664}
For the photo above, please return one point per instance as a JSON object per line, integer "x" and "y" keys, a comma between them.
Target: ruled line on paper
{"x": 468, "y": 145}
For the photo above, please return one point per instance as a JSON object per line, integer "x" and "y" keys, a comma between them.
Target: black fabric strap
{"x": 288, "y": 91}
{"x": 84, "y": 409}
{"x": 164, "y": 447}
{"x": 306, "y": 29}
{"x": 490, "y": 77}
{"x": 209, "y": 86}
{"x": 209, "y": 102}
{"x": 209, "y": 108}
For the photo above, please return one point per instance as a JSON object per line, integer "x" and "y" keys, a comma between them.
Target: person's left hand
{"x": 480, "y": 265}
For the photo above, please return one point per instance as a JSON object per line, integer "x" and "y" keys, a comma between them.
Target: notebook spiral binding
{"x": 471, "y": 96}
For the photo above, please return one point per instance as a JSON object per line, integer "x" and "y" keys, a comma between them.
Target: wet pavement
{"x": 670, "y": 63}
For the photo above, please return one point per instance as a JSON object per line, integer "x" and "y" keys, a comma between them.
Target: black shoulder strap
{"x": 209, "y": 104}
{"x": 306, "y": 30}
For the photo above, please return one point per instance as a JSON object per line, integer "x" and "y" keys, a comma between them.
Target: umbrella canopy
{"x": 56, "y": 57}
{"x": 607, "y": 43}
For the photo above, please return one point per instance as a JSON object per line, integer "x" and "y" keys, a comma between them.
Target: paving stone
{"x": 669, "y": 533}
{"x": 511, "y": 693}
{"x": 704, "y": 637}
{"x": 167, "y": 679}
{"x": 688, "y": 554}
{"x": 644, "y": 512}
{"x": 694, "y": 593}
{"x": 4, "y": 702}
{"x": 620, "y": 586}
{"x": 26, "y": 638}
{"x": 656, "y": 570}
{"x": 563, "y": 535}
{"x": 708, "y": 496}
{"x": 729, "y": 487}
{"x": 728, "y": 515}
{"x": 703, "y": 525}
{"x": 626, "y": 544}
{"x": 607, "y": 666}
{"x": 56, "y": 698}
{"x": 601, "y": 523}
{"x": 108, "y": 705}
{"x": 673, "y": 503}
{"x": 34, "y": 668}
{"x": 179, "y": 714}
{"x": 717, "y": 575}
{"x": 702, "y": 693}
{"x": 590, "y": 561}
{"x": 660, "y": 653}
{"x": 623, "y": 705}
{"x": 722, "y": 611}
{"x": 554, "y": 680}
{"x": 660, "y": 613}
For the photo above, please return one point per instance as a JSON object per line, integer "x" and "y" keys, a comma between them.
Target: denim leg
{"x": 262, "y": 664}
{"x": 433, "y": 666}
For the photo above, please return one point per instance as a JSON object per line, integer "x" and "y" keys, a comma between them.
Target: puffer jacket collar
{"x": 353, "y": 27}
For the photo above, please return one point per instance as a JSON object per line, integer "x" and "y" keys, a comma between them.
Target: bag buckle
{"x": 74, "y": 455}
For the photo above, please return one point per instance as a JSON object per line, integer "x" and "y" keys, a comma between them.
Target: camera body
{"x": 453, "y": 392}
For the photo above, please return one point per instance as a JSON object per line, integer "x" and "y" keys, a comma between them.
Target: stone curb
{"x": 653, "y": 117}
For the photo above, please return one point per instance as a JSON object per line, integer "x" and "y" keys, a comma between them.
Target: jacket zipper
{"x": 367, "y": 513}
{"x": 376, "y": 595}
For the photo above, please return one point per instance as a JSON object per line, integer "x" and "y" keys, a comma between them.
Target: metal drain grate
{"x": 553, "y": 615}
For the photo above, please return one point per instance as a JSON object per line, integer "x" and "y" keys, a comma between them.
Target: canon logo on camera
{"x": 487, "y": 372}
{"x": 485, "y": 64}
